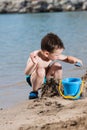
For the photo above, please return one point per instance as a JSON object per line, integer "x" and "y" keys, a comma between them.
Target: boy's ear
{"x": 46, "y": 53}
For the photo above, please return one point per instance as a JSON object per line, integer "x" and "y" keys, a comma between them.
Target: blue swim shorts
{"x": 28, "y": 79}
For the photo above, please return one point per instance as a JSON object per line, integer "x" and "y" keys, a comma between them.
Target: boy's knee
{"x": 58, "y": 65}
{"x": 40, "y": 72}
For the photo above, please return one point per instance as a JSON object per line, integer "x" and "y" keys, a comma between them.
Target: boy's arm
{"x": 30, "y": 67}
{"x": 70, "y": 59}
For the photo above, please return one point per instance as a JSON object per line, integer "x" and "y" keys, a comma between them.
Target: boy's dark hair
{"x": 50, "y": 42}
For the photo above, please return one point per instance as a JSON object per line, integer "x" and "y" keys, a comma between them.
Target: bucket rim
{"x": 66, "y": 80}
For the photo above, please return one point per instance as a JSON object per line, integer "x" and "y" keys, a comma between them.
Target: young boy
{"x": 40, "y": 66}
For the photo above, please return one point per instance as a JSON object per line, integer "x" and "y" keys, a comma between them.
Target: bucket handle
{"x": 70, "y": 97}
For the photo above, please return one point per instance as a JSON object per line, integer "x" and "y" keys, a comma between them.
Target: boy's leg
{"x": 37, "y": 79}
{"x": 54, "y": 71}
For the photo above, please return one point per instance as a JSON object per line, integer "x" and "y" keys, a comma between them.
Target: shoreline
{"x": 16, "y": 93}
{"x": 35, "y": 6}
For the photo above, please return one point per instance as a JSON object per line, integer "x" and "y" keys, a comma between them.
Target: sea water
{"x": 20, "y": 34}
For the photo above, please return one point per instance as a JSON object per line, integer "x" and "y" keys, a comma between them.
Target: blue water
{"x": 21, "y": 34}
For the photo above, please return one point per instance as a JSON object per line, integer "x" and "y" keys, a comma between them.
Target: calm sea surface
{"x": 21, "y": 34}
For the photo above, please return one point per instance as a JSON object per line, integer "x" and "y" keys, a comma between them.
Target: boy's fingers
{"x": 78, "y": 64}
{"x": 33, "y": 58}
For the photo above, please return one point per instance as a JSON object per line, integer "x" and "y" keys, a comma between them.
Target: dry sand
{"x": 48, "y": 113}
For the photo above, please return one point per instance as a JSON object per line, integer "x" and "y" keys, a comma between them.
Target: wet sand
{"x": 47, "y": 113}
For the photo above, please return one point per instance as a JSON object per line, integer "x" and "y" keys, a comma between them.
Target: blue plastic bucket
{"x": 71, "y": 86}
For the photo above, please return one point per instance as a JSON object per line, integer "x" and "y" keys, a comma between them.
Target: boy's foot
{"x": 33, "y": 95}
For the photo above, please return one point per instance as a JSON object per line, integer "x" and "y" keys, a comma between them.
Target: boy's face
{"x": 55, "y": 55}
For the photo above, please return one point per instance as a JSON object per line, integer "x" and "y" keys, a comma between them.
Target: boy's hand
{"x": 33, "y": 57}
{"x": 78, "y": 64}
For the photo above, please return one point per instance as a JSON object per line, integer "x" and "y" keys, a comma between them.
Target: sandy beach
{"x": 47, "y": 113}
